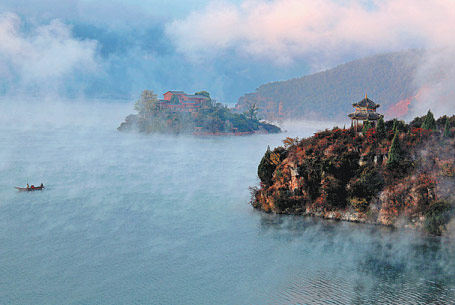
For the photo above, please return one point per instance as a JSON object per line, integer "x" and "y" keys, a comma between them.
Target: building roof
{"x": 367, "y": 103}
{"x": 176, "y": 92}
{"x": 365, "y": 115}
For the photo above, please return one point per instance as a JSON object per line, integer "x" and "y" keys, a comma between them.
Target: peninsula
{"x": 198, "y": 114}
{"x": 389, "y": 173}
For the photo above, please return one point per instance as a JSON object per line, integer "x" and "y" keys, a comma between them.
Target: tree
{"x": 147, "y": 103}
{"x": 380, "y": 129}
{"x": 394, "y": 151}
{"x": 252, "y": 111}
{"x": 267, "y": 167}
{"x": 288, "y": 142}
{"x": 429, "y": 123}
{"x": 446, "y": 133}
{"x": 395, "y": 125}
{"x": 204, "y": 93}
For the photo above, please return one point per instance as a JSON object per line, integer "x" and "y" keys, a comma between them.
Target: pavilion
{"x": 365, "y": 111}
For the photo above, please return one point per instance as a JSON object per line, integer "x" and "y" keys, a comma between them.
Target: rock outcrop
{"x": 344, "y": 175}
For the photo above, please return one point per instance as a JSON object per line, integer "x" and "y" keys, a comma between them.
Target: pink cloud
{"x": 286, "y": 30}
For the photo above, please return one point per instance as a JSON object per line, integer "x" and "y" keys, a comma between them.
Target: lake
{"x": 136, "y": 219}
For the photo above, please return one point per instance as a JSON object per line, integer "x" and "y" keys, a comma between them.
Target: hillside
{"x": 397, "y": 174}
{"x": 387, "y": 78}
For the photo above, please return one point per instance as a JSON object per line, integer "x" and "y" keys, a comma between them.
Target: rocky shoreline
{"x": 398, "y": 175}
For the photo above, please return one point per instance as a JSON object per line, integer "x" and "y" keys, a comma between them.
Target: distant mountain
{"x": 386, "y": 78}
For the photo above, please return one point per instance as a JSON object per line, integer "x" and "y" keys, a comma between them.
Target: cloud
{"x": 320, "y": 30}
{"x": 435, "y": 76}
{"x": 43, "y": 57}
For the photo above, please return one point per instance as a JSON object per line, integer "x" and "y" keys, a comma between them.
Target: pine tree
{"x": 394, "y": 151}
{"x": 266, "y": 168}
{"x": 380, "y": 129}
{"x": 395, "y": 126}
{"x": 252, "y": 111}
{"x": 429, "y": 123}
{"x": 446, "y": 133}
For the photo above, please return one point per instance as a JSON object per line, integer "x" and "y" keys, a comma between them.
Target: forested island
{"x": 198, "y": 114}
{"x": 394, "y": 173}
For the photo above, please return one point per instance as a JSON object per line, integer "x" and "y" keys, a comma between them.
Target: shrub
{"x": 284, "y": 199}
{"x": 361, "y": 205}
{"x": 437, "y": 217}
{"x": 367, "y": 184}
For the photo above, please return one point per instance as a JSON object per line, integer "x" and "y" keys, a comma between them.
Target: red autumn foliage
{"x": 340, "y": 170}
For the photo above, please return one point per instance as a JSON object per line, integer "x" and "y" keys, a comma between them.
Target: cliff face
{"x": 342, "y": 175}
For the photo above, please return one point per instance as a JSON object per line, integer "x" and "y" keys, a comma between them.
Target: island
{"x": 380, "y": 172}
{"x": 198, "y": 114}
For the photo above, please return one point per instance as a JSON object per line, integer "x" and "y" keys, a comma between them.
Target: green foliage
{"x": 380, "y": 129}
{"x": 269, "y": 163}
{"x": 251, "y": 112}
{"x": 283, "y": 199}
{"x": 266, "y": 168}
{"x": 398, "y": 126}
{"x": 204, "y": 93}
{"x": 394, "y": 157}
{"x": 417, "y": 122}
{"x": 437, "y": 217}
{"x": 147, "y": 102}
{"x": 429, "y": 123}
{"x": 366, "y": 184}
{"x": 446, "y": 132}
{"x": 333, "y": 190}
{"x": 395, "y": 126}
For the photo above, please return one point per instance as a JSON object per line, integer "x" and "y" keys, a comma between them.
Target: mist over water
{"x": 135, "y": 219}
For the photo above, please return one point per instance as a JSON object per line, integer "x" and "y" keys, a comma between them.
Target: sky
{"x": 116, "y": 49}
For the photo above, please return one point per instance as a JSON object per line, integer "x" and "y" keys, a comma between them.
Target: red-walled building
{"x": 180, "y": 101}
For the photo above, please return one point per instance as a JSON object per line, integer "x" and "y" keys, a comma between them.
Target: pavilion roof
{"x": 367, "y": 103}
{"x": 364, "y": 115}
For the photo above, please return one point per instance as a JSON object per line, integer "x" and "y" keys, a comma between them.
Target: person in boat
{"x": 28, "y": 186}
{"x": 32, "y": 186}
{"x": 41, "y": 185}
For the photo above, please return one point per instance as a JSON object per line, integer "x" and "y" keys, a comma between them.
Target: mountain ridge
{"x": 386, "y": 78}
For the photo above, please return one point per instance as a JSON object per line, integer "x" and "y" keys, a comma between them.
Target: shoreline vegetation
{"x": 198, "y": 114}
{"x": 395, "y": 174}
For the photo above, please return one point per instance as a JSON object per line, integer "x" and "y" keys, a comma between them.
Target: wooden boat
{"x": 30, "y": 188}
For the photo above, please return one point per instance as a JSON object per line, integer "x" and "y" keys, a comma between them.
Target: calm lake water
{"x": 131, "y": 219}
